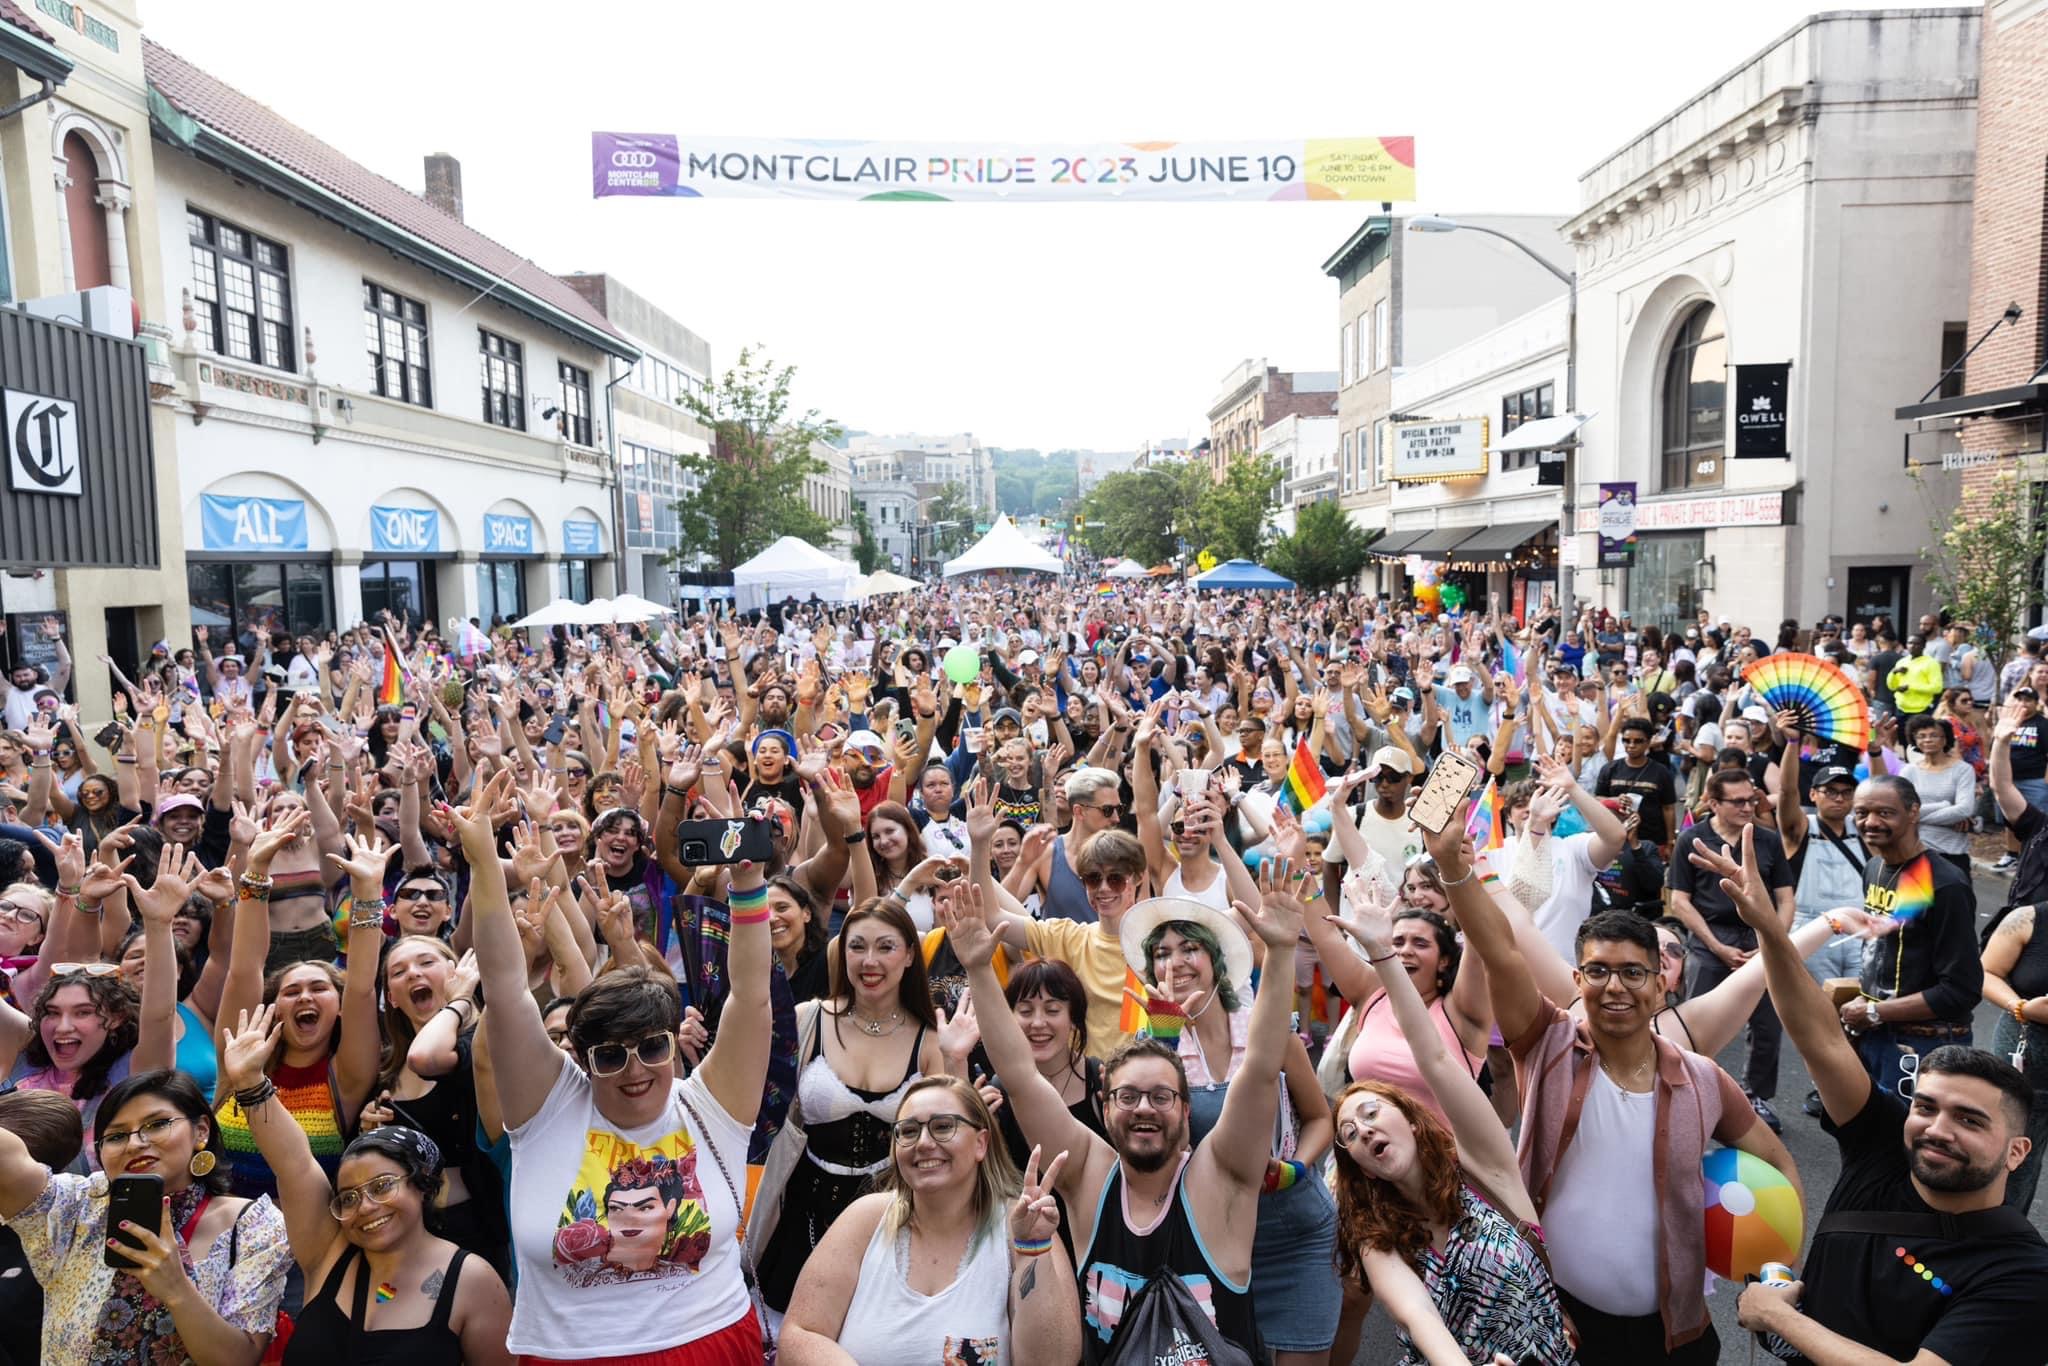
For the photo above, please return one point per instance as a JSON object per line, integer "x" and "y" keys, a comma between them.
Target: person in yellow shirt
{"x": 1916, "y": 680}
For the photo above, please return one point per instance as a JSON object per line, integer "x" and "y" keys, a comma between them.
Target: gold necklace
{"x": 1637, "y": 1076}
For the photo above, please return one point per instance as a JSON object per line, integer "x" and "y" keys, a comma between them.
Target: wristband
{"x": 365, "y": 915}
{"x": 252, "y": 889}
{"x": 857, "y": 837}
{"x": 92, "y": 909}
{"x": 256, "y": 1095}
{"x": 71, "y": 891}
{"x": 1031, "y": 1247}
{"x": 1282, "y": 1173}
{"x": 748, "y": 907}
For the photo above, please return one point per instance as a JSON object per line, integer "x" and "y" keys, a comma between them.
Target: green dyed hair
{"x": 1195, "y": 933}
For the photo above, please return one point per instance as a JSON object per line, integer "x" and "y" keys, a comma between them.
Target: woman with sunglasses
{"x": 857, "y": 1054}
{"x": 629, "y": 1204}
{"x": 207, "y": 1277}
{"x": 367, "y": 1228}
{"x": 953, "y": 1257}
{"x": 25, "y": 910}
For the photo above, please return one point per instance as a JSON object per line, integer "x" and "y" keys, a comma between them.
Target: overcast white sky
{"x": 1043, "y": 325}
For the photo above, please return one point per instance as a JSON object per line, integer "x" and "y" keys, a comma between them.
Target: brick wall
{"x": 2007, "y": 240}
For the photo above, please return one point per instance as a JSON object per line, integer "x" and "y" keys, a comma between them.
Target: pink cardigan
{"x": 1696, "y": 1100}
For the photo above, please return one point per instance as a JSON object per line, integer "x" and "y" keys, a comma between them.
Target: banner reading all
{"x": 1360, "y": 169}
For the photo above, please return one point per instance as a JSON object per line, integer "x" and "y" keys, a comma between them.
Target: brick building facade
{"x": 1253, "y": 397}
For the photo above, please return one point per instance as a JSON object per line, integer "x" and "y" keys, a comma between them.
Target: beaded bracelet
{"x": 71, "y": 891}
{"x": 365, "y": 915}
{"x": 1031, "y": 1247}
{"x": 256, "y": 1095}
{"x": 252, "y": 889}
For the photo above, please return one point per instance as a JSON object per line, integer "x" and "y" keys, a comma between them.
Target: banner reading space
{"x": 1362, "y": 169}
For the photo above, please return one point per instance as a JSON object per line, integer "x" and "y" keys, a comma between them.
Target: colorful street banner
{"x": 1617, "y": 525}
{"x": 507, "y": 535}
{"x": 403, "y": 531}
{"x": 1356, "y": 169}
{"x": 259, "y": 524}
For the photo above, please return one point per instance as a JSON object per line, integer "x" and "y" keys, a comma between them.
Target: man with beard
{"x": 1141, "y": 1202}
{"x": 1921, "y": 984}
{"x": 865, "y": 763}
{"x": 1914, "y": 1259}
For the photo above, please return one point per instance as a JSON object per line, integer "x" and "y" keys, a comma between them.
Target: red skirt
{"x": 738, "y": 1345}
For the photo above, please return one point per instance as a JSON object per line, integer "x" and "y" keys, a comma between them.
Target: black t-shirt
{"x": 1934, "y": 950}
{"x": 1705, "y": 888}
{"x": 1881, "y": 665}
{"x": 2029, "y": 755}
{"x": 1977, "y": 1299}
{"x": 1657, "y": 787}
{"x": 2030, "y": 879}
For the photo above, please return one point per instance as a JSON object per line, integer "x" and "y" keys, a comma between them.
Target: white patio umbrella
{"x": 560, "y": 612}
{"x": 883, "y": 581}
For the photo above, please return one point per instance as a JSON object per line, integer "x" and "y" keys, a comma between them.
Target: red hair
{"x": 1373, "y": 1214}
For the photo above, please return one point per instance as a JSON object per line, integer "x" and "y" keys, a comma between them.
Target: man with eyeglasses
{"x": 1915, "y": 1259}
{"x": 1141, "y": 1202}
{"x": 1616, "y": 1120}
{"x": 1641, "y": 774}
{"x": 1721, "y": 942}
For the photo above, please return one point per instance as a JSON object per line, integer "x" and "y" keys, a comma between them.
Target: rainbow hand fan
{"x": 1830, "y": 705}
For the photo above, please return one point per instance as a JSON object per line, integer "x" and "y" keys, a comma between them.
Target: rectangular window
{"x": 1382, "y": 335}
{"x": 395, "y": 332}
{"x": 241, "y": 291}
{"x": 504, "y": 366}
{"x": 575, "y": 419}
{"x": 1345, "y": 372}
{"x": 1526, "y": 406}
{"x": 1955, "y": 338}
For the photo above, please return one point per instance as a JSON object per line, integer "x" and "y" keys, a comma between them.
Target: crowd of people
{"x": 1014, "y": 972}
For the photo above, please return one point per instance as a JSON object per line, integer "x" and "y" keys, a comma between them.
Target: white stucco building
{"x": 1812, "y": 207}
{"x": 380, "y": 407}
{"x": 1305, "y": 449}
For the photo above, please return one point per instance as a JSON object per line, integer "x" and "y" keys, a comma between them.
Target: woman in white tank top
{"x": 953, "y": 1259}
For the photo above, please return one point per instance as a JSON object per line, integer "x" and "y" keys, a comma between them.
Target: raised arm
{"x": 177, "y": 870}
{"x": 1242, "y": 1140}
{"x": 303, "y": 1191}
{"x": 737, "y": 1064}
{"x": 243, "y": 989}
{"x": 1791, "y": 815}
{"x": 2012, "y": 804}
{"x": 1516, "y": 1000}
{"x": 355, "y": 1062}
{"x": 1810, "y": 1020}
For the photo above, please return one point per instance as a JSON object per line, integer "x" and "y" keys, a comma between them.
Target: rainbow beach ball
{"x": 1753, "y": 1214}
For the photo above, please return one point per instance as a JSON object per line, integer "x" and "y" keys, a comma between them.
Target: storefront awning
{"x": 2031, "y": 397}
{"x": 1395, "y": 544}
{"x": 1498, "y": 543}
{"x": 1438, "y": 544}
{"x": 1544, "y": 434}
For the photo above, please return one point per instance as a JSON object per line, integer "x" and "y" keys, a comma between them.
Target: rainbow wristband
{"x": 748, "y": 908}
{"x": 1036, "y": 1247}
{"x": 1164, "y": 1020}
{"x": 1282, "y": 1174}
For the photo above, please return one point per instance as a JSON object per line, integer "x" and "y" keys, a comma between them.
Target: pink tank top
{"x": 1381, "y": 1052}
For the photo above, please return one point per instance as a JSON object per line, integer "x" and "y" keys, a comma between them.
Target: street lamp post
{"x": 1433, "y": 223}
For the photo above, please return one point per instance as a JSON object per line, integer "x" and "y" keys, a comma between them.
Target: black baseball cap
{"x": 1833, "y": 773}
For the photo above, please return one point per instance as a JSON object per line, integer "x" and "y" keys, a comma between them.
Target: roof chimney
{"x": 444, "y": 184}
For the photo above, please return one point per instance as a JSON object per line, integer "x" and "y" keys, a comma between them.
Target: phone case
{"x": 1447, "y": 784}
{"x": 138, "y": 1200}
{"x": 701, "y": 843}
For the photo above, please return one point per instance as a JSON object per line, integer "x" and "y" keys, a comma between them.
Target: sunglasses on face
{"x": 1112, "y": 810}
{"x": 422, "y": 894}
{"x": 1116, "y": 882}
{"x": 609, "y": 1059}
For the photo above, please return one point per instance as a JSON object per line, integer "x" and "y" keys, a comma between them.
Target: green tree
{"x": 867, "y": 551}
{"x": 1985, "y": 562}
{"x": 950, "y": 506}
{"x": 1234, "y": 512}
{"x": 1326, "y": 549}
{"x": 1139, "y": 512}
{"x": 750, "y": 489}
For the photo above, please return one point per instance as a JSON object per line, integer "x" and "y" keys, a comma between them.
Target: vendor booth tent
{"x": 1125, "y": 569}
{"x": 792, "y": 569}
{"x": 1004, "y": 547}
{"x": 883, "y": 581}
{"x": 1241, "y": 576}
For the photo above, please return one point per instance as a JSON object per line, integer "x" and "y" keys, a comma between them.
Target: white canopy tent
{"x": 1004, "y": 547}
{"x": 1125, "y": 569}
{"x": 883, "y": 581}
{"x": 560, "y": 612}
{"x": 792, "y": 568}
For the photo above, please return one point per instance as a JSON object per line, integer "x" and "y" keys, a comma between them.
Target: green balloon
{"x": 1454, "y": 596}
{"x": 962, "y": 663}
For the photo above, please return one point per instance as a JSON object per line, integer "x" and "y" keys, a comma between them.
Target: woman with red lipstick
{"x": 207, "y": 1279}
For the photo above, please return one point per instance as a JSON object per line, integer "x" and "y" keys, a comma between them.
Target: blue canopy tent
{"x": 1241, "y": 576}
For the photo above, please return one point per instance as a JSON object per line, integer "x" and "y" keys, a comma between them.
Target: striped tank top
{"x": 306, "y": 1095}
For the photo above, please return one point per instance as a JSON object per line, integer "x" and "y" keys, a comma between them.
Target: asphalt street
{"x": 1813, "y": 1150}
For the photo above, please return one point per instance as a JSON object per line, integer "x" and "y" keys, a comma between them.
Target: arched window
{"x": 1696, "y": 403}
{"x": 89, "y": 262}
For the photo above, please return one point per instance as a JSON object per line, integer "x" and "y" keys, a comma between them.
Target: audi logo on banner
{"x": 640, "y": 160}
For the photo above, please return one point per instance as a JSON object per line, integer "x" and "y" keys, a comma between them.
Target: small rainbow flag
{"x": 1105, "y": 590}
{"x": 1305, "y": 785}
{"x": 1132, "y": 1018}
{"x": 1487, "y": 825}
{"x": 1913, "y": 894}
{"x": 1514, "y": 662}
{"x": 391, "y": 691}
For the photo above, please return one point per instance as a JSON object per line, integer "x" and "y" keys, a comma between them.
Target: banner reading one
{"x": 1365, "y": 169}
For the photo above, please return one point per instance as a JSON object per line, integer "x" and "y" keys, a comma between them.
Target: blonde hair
{"x": 996, "y": 1180}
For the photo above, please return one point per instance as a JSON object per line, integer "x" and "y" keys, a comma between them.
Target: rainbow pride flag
{"x": 1514, "y": 662}
{"x": 391, "y": 691}
{"x": 1132, "y": 1017}
{"x": 1487, "y": 825}
{"x": 1913, "y": 894}
{"x": 1105, "y": 590}
{"x": 1305, "y": 785}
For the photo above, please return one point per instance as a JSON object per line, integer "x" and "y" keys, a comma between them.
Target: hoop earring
{"x": 202, "y": 1164}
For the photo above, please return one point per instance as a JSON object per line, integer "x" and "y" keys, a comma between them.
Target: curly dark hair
{"x": 115, "y": 1002}
{"x": 1373, "y": 1215}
